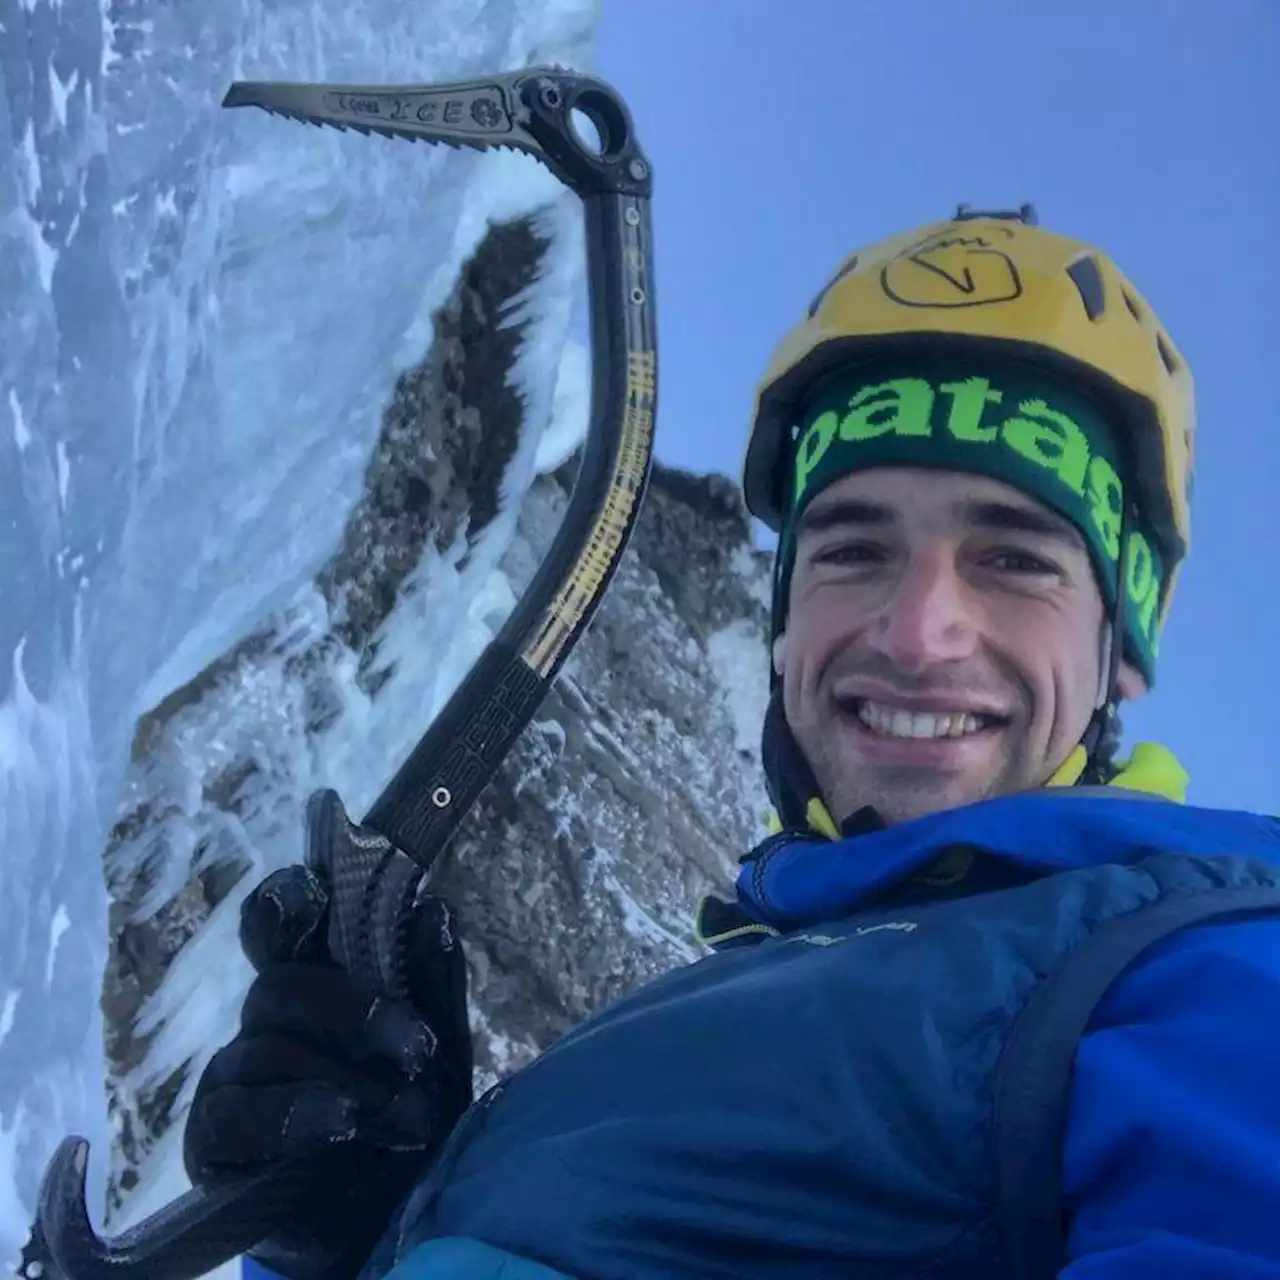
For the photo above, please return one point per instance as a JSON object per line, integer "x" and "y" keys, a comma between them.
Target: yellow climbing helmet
{"x": 995, "y": 281}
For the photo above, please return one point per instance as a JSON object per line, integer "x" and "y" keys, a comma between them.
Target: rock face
{"x": 633, "y": 792}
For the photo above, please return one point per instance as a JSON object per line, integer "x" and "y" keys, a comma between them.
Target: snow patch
{"x": 545, "y": 310}
{"x": 508, "y": 1054}
{"x": 570, "y": 411}
{"x": 31, "y": 163}
{"x": 12, "y": 996}
{"x": 60, "y": 92}
{"x": 60, "y": 924}
{"x": 637, "y": 920}
{"x": 21, "y": 432}
{"x": 757, "y": 576}
{"x": 46, "y": 256}
{"x": 64, "y": 471}
{"x": 14, "y": 1215}
{"x": 197, "y": 1008}
{"x": 553, "y": 731}
{"x": 641, "y": 924}
{"x": 739, "y": 661}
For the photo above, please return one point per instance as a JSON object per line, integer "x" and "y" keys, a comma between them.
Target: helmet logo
{"x": 952, "y": 269}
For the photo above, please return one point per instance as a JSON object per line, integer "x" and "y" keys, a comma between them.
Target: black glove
{"x": 326, "y": 1067}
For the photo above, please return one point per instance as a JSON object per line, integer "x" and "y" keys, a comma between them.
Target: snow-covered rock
{"x": 577, "y": 873}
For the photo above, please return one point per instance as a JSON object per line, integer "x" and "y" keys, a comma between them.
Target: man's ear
{"x": 780, "y": 654}
{"x": 1130, "y": 683}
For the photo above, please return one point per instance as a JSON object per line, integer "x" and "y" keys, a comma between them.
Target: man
{"x": 990, "y": 1001}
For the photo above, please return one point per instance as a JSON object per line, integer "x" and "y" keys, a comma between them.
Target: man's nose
{"x": 929, "y": 617}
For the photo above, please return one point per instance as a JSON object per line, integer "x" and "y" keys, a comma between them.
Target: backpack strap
{"x": 1034, "y": 1078}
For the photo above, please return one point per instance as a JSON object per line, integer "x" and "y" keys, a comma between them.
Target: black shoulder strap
{"x": 1033, "y": 1085}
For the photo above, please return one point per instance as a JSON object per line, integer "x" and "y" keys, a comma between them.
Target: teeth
{"x": 919, "y": 724}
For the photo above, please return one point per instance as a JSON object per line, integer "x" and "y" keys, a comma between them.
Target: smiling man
{"x": 953, "y": 514}
{"x": 991, "y": 1000}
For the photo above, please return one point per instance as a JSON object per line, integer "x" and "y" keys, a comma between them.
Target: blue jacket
{"x": 792, "y": 1107}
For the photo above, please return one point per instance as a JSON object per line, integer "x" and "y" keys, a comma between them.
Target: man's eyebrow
{"x": 985, "y": 514}
{"x": 819, "y": 517}
{"x": 1018, "y": 519}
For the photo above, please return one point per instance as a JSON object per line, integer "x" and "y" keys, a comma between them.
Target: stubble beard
{"x": 901, "y": 793}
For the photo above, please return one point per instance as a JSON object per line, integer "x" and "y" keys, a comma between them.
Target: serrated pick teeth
{"x": 387, "y": 131}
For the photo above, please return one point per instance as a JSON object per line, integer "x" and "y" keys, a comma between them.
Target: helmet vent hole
{"x": 1166, "y": 354}
{"x": 1132, "y": 303}
{"x": 1087, "y": 277}
{"x": 851, "y": 265}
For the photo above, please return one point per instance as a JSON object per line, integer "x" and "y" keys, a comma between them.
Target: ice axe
{"x": 533, "y": 111}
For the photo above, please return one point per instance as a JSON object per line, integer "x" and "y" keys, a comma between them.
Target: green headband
{"x": 1013, "y": 422}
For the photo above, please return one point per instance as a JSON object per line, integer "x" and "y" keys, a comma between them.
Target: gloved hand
{"x": 323, "y": 1065}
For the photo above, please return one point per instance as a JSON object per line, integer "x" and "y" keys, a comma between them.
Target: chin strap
{"x": 793, "y": 790}
{"x": 1101, "y": 739}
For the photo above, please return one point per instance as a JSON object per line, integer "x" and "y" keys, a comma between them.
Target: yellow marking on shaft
{"x": 604, "y": 544}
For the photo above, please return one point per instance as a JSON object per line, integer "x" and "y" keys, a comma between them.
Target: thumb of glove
{"x": 284, "y": 919}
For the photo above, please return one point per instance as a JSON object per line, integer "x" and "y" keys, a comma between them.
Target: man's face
{"x": 944, "y": 642}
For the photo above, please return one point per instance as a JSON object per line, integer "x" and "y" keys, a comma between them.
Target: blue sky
{"x": 786, "y": 135}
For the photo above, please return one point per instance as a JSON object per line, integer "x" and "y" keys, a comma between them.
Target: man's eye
{"x": 849, "y": 553}
{"x": 1012, "y": 561}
